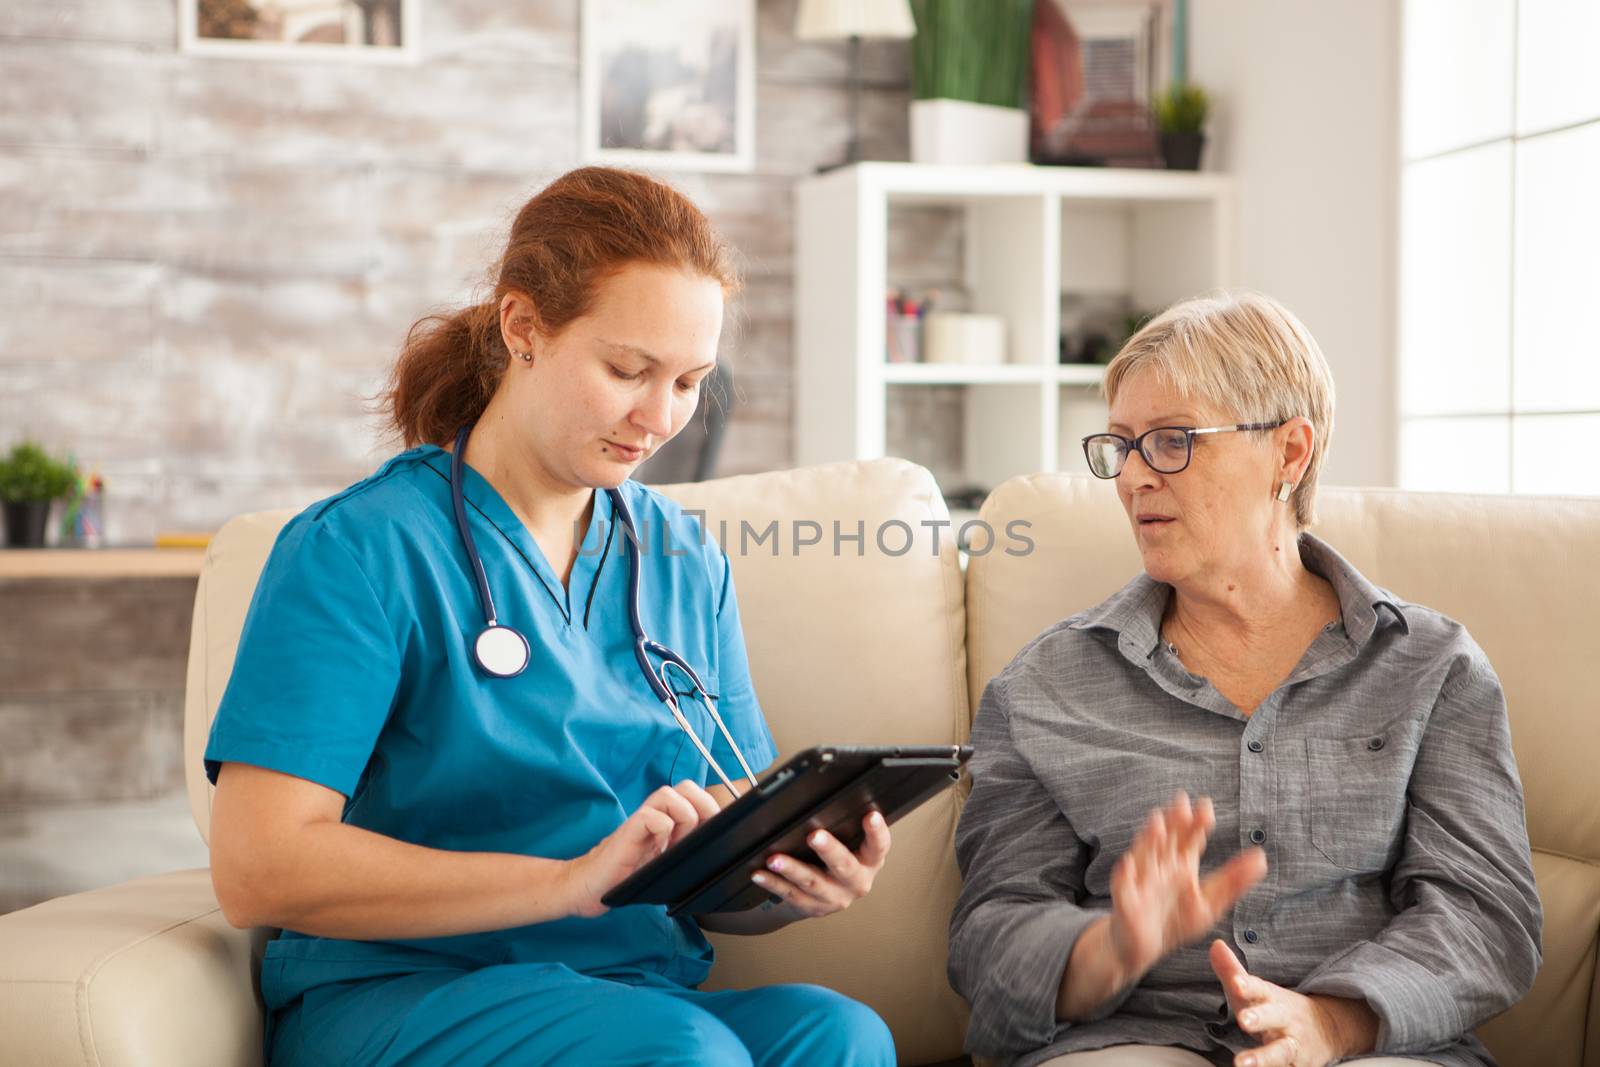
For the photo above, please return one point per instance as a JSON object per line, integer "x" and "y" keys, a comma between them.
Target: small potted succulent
{"x": 1181, "y": 112}
{"x": 30, "y": 481}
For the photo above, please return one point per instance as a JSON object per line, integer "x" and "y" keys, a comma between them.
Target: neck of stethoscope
{"x": 458, "y": 504}
{"x": 623, "y": 516}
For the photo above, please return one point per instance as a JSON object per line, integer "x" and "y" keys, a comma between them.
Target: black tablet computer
{"x": 831, "y": 789}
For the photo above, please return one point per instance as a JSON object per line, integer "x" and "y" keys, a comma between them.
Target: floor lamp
{"x": 820, "y": 20}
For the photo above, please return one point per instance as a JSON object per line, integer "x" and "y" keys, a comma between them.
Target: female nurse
{"x": 435, "y": 840}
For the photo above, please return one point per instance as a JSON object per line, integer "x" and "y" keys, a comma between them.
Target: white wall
{"x": 1307, "y": 116}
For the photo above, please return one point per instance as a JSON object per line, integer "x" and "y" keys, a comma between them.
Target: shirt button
{"x": 1375, "y": 744}
{"x": 1257, "y": 836}
{"x": 1255, "y": 746}
{"x": 1218, "y": 1030}
{"x": 1251, "y": 936}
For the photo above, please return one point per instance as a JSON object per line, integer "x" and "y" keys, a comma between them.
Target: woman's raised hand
{"x": 661, "y": 822}
{"x": 1159, "y": 902}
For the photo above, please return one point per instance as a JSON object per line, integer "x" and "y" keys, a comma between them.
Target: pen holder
{"x": 905, "y": 338}
{"x": 92, "y": 519}
{"x": 83, "y": 524}
{"x": 954, "y": 337}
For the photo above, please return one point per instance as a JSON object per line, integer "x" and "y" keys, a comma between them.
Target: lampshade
{"x": 854, "y": 18}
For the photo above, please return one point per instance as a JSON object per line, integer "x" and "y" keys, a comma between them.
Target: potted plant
{"x": 970, "y": 72}
{"x": 30, "y": 480}
{"x": 1181, "y": 112}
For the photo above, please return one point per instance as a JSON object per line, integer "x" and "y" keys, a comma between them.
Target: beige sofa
{"x": 880, "y": 648}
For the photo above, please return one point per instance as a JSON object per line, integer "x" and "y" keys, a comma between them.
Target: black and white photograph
{"x": 669, "y": 86}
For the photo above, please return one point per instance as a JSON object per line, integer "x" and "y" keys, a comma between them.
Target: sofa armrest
{"x": 141, "y": 973}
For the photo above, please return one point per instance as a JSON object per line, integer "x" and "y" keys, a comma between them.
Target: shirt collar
{"x": 1134, "y": 612}
{"x": 1359, "y": 599}
{"x": 482, "y": 497}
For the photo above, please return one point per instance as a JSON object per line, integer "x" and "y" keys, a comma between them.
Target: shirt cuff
{"x": 1416, "y": 1010}
{"x": 1019, "y": 988}
{"x": 284, "y": 758}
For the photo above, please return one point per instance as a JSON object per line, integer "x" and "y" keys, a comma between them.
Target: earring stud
{"x": 526, "y": 357}
{"x": 1284, "y": 489}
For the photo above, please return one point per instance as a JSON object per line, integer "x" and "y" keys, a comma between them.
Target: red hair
{"x": 572, "y": 235}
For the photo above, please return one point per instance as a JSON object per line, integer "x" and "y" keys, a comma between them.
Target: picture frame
{"x": 668, "y": 86}
{"x": 1127, "y": 44}
{"x": 363, "y": 31}
{"x": 1098, "y": 66}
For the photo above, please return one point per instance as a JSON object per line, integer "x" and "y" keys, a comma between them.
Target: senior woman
{"x": 1354, "y": 880}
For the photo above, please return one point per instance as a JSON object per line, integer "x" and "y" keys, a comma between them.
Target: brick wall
{"x": 206, "y": 264}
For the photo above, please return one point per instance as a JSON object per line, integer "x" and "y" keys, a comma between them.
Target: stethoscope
{"x": 503, "y": 652}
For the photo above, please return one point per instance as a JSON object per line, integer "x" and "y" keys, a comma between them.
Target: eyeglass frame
{"x": 1136, "y": 444}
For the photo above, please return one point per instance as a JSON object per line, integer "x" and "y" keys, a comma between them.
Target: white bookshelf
{"x": 1028, "y": 234}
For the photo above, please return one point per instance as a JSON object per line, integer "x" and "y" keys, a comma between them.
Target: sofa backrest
{"x": 1523, "y": 575}
{"x": 845, "y": 648}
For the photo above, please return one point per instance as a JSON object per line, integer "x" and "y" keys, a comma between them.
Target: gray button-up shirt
{"x": 1378, "y": 778}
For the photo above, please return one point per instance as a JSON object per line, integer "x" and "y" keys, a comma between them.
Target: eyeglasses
{"x": 1167, "y": 449}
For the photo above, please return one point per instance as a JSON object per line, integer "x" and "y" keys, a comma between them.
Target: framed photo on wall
{"x": 382, "y": 31}
{"x": 668, "y": 85}
{"x": 1097, "y": 67}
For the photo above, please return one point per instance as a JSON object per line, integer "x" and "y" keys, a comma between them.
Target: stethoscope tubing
{"x": 458, "y": 501}
{"x": 643, "y": 646}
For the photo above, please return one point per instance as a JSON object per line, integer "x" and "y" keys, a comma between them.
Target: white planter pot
{"x": 957, "y": 132}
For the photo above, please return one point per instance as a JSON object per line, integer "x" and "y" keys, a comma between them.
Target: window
{"x": 1500, "y": 246}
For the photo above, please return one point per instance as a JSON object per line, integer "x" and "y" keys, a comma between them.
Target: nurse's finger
{"x": 842, "y": 863}
{"x": 648, "y": 829}
{"x": 704, "y": 803}
{"x": 875, "y": 849}
{"x": 675, "y": 805}
{"x": 815, "y": 882}
{"x": 792, "y": 895}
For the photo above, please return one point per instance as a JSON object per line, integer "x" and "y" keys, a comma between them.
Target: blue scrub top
{"x": 355, "y": 670}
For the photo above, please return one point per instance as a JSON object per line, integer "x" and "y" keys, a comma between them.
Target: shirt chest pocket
{"x": 1357, "y": 798}
{"x": 687, "y": 762}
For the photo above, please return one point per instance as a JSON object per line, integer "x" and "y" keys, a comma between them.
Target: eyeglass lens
{"x": 1165, "y": 450}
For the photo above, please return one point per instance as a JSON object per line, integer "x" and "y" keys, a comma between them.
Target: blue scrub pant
{"x": 519, "y": 1015}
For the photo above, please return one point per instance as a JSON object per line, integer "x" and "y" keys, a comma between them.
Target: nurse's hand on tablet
{"x": 803, "y": 890}
{"x": 846, "y": 877}
{"x": 661, "y": 822}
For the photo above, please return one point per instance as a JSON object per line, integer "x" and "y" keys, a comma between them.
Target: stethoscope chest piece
{"x": 501, "y": 651}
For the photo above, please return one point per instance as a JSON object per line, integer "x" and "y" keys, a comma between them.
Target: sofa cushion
{"x": 147, "y": 972}
{"x": 858, "y": 649}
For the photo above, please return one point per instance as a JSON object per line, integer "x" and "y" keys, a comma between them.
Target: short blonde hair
{"x": 1246, "y": 354}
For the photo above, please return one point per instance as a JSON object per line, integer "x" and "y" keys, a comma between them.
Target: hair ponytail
{"x": 449, "y": 368}
{"x": 564, "y": 242}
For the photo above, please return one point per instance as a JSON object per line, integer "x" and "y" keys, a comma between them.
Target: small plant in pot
{"x": 30, "y": 481}
{"x": 1181, "y": 112}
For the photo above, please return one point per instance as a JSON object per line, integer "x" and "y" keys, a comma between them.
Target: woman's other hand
{"x": 1294, "y": 1030}
{"x": 812, "y": 892}
{"x": 1159, "y": 902}
{"x": 660, "y": 822}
